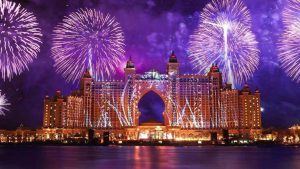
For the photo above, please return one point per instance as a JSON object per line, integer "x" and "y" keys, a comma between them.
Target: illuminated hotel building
{"x": 193, "y": 104}
{"x": 250, "y": 114}
{"x": 230, "y": 107}
{"x": 54, "y": 110}
{"x": 74, "y": 117}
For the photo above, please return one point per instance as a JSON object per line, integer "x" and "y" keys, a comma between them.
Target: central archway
{"x": 151, "y": 106}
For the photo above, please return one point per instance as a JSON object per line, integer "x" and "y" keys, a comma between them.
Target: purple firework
{"x": 224, "y": 37}
{"x": 20, "y": 39}
{"x": 87, "y": 39}
{"x": 289, "y": 48}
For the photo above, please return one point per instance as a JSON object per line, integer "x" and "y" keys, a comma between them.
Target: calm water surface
{"x": 69, "y": 157}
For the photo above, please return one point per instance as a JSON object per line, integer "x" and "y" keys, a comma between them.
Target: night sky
{"x": 152, "y": 29}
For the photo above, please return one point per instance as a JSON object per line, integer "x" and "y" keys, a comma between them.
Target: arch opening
{"x": 151, "y": 106}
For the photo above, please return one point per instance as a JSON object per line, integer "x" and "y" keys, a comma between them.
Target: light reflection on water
{"x": 144, "y": 157}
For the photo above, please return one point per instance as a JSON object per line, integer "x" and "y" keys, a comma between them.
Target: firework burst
{"x": 3, "y": 104}
{"x": 224, "y": 37}
{"x": 87, "y": 39}
{"x": 20, "y": 39}
{"x": 289, "y": 48}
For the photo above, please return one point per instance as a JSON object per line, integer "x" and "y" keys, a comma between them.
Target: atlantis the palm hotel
{"x": 197, "y": 108}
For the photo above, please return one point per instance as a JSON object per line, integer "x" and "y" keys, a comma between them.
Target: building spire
{"x": 129, "y": 63}
{"x": 246, "y": 88}
{"x": 173, "y": 53}
{"x": 214, "y": 68}
{"x": 87, "y": 74}
{"x": 257, "y": 90}
{"x": 173, "y": 58}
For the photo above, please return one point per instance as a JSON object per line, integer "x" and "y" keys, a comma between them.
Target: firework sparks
{"x": 224, "y": 37}
{"x": 87, "y": 39}
{"x": 288, "y": 48}
{"x": 20, "y": 39}
{"x": 3, "y": 104}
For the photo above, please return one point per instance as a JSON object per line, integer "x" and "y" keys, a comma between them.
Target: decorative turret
{"x": 129, "y": 69}
{"x": 257, "y": 92}
{"x": 214, "y": 68}
{"x": 87, "y": 74}
{"x": 86, "y": 81}
{"x": 173, "y": 58}
{"x": 173, "y": 65}
{"x": 215, "y": 78}
{"x": 129, "y": 63}
{"x": 216, "y": 75}
{"x": 57, "y": 95}
{"x": 86, "y": 91}
{"x": 227, "y": 86}
{"x": 246, "y": 89}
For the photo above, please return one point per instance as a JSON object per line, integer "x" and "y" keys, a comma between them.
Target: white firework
{"x": 3, "y": 104}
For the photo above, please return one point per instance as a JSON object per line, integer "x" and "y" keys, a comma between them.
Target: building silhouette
{"x": 194, "y": 104}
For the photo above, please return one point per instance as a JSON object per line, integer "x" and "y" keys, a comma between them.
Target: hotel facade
{"x": 194, "y": 107}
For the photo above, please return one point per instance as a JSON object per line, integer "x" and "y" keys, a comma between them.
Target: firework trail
{"x": 3, "y": 104}
{"x": 20, "y": 39}
{"x": 87, "y": 39}
{"x": 224, "y": 37}
{"x": 289, "y": 48}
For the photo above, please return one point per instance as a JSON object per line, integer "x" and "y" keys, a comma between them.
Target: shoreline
{"x": 190, "y": 144}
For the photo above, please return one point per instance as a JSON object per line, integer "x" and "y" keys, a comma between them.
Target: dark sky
{"x": 151, "y": 107}
{"x": 152, "y": 29}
